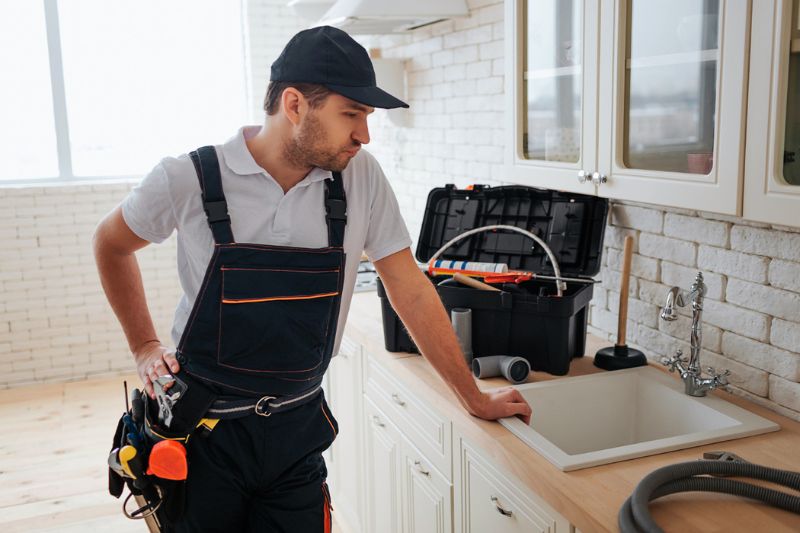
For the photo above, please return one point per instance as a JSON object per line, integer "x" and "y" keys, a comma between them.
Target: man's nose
{"x": 361, "y": 134}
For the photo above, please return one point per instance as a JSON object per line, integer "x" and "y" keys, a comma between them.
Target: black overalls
{"x": 261, "y": 335}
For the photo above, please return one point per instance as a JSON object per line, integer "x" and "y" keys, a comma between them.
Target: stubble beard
{"x": 309, "y": 148}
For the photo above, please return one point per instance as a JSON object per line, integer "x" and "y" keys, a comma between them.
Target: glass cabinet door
{"x": 791, "y": 139}
{"x": 674, "y": 72}
{"x": 551, "y": 80}
{"x": 551, "y": 87}
{"x": 772, "y": 157}
{"x": 671, "y": 85}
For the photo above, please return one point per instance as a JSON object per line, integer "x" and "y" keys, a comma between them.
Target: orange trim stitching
{"x": 278, "y": 298}
{"x": 326, "y": 511}
{"x": 328, "y": 419}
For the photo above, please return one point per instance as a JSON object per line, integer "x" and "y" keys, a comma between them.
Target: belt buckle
{"x": 262, "y": 406}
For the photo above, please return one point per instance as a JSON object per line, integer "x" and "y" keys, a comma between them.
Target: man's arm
{"x": 419, "y": 307}
{"x": 114, "y": 246}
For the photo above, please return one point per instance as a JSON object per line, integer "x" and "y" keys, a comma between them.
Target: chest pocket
{"x": 276, "y": 320}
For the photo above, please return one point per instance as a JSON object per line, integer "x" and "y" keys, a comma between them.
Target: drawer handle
{"x": 377, "y": 421}
{"x": 421, "y": 470}
{"x": 397, "y": 399}
{"x": 500, "y": 507}
{"x": 344, "y": 355}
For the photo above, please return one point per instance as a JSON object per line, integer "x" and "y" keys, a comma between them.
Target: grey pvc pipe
{"x": 514, "y": 369}
{"x": 634, "y": 516}
{"x": 462, "y": 325}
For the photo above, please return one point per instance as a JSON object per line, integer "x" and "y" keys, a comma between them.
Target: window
{"x": 122, "y": 86}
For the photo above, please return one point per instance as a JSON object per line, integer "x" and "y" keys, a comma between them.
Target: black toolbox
{"x": 527, "y": 319}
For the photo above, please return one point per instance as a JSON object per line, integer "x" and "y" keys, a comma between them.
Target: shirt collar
{"x": 239, "y": 159}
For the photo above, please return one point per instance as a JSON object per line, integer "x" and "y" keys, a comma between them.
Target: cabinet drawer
{"x": 489, "y": 501}
{"x": 427, "y": 430}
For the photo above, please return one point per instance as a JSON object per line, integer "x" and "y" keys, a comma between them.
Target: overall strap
{"x": 335, "y": 210}
{"x": 206, "y": 165}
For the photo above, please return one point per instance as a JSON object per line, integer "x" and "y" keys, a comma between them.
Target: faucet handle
{"x": 673, "y": 362}
{"x": 720, "y": 379}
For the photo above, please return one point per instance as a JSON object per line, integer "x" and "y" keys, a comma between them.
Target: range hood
{"x": 377, "y": 17}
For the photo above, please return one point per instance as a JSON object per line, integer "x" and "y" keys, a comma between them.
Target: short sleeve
{"x": 387, "y": 232}
{"x": 148, "y": 209}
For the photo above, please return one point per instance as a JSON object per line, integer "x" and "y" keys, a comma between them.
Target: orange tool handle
{"x": 511, "y": 277}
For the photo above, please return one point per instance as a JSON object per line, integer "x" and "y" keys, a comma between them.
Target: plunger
{"x": 620, "y": 355}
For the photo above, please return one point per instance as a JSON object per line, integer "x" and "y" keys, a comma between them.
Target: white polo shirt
{"x": 168, "y": 199}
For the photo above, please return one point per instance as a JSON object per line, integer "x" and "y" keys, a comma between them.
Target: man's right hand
{"x": 152, "y": 360}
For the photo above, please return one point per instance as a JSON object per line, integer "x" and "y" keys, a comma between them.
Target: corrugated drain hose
{"x": 634, "y": 516}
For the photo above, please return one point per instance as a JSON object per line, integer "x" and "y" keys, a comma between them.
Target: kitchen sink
{"x": 607, "y": 417}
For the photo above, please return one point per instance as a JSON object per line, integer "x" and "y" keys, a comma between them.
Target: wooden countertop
{"x": 591, "y": 498}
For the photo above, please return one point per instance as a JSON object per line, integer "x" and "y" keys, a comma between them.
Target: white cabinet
{"x": 420, "y": 478}
{"x": 382, "y": 473}
{"x": 488, "y": 501}
{"x": 772, "y": 163}
{"x": 552, "y": 51}
{"x": 346, "y": 453}
{"x": 428, "y": 495}
{"x": 629, "y": 99}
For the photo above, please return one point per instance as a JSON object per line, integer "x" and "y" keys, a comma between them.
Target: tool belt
{"x": 150, "y": 459}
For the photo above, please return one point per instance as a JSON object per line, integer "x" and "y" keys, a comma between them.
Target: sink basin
{"x": 614, "y": 416}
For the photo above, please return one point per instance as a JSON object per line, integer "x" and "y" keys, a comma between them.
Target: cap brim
{"x": 371, "y": 96}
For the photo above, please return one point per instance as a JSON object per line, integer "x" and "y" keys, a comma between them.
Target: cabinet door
{"x": 346, "y": 403}
{"x": 428, "y": 496}
{"x": 672, "y": 99}
{"x": 772, "y": 160}
{"x": 383, "y": 481}
{"x": 488, "y": 501}
{"x": 551, "y": 91}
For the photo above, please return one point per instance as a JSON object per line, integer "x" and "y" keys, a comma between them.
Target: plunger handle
{"x": 627, "y": 253}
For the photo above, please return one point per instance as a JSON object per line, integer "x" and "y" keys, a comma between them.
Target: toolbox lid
{"x": 572, "y": 225}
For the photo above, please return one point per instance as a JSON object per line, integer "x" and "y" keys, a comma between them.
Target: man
{"x": 268, "y": 271}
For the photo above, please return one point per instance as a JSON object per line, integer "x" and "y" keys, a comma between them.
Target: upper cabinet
{"x": 552, "y": 86}
{"x": 772, "y": 169}
{"x": 642, "y": 100}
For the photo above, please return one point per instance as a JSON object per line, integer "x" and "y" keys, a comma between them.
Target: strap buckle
{"x": 262, "y": 406}
{"x": 335, "y": 209}
{"x": 217, "y": 211}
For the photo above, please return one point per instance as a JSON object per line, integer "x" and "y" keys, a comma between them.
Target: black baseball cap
{"x": 330, "y": 57}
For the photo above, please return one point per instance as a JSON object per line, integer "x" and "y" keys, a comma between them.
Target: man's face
{"x": 329, "y": 136}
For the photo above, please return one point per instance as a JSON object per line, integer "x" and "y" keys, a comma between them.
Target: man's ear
{"x": 294, "y": 105}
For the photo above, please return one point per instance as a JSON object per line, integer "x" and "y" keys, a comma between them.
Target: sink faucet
{"x": 691, "y": 374}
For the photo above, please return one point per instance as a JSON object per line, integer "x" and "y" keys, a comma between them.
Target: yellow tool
{"x": 126, "y": 454}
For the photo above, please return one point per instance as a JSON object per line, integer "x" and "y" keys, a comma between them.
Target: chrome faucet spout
{"x": 673, "y": 297}
{"x": 691, "y": 373}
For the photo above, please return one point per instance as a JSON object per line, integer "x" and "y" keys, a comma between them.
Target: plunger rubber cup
{"x": 619, "y": 357}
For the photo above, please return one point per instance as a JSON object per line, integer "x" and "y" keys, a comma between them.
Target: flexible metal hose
{"x": 560, "y": 284}
{"x": 634, "y": 516}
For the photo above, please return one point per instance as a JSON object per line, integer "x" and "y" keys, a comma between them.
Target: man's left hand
{"x": 500, "y": 404}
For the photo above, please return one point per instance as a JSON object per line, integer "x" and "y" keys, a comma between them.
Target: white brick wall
{"x": 752, "y": 311}
{"x": 55, "y": 324}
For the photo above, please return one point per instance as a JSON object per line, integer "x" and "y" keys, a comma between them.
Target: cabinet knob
{"x": 421, "y": 470}
{"x": 377, "y": 421}
{"x": 583, "y": 176}
{"x": 397, "y": 399}
{"x": 599, "y": 179}
{"x": 500, "y": 507}
{"x": 344, "y": 355}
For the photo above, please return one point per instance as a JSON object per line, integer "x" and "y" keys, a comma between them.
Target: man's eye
{"x": 352, "y": 115}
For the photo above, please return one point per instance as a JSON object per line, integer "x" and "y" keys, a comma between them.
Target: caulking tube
{"x": 469, "y": 268}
